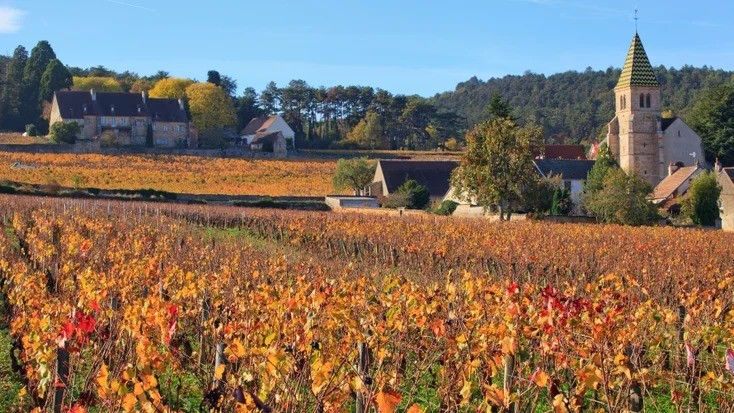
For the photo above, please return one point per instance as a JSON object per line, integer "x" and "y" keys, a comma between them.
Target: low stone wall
{"x": 95, "y": 147}
{"x": 82, "y": 147}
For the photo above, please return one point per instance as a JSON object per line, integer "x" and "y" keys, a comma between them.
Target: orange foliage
{"x": 179, "y": 174}
{"x": 445, "y": 307}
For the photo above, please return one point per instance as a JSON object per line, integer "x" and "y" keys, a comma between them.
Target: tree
{"x": 172, "y": 88}
{"x": 210, "y": 107}
{"x": 100, "y": 84}
{"x": 713, "y": 119}
{"x": 64, "y": 132}
{"x": 498, "y": 107}
{"x": 214, "y": 77}
{"x": 623, "y": 200}
{"x": 247, "y": 108}
{"x": 41, "y": 56}
{"x": 498, "y": 166}
{"x": 56, "y": 77}
{"x": 270, "y": 98}
{"x": 416, "y": 195}
{"x": 11, "y": 100}
{"x": 595, "y": 179}
{"x": 368, "y": 133}
{"x": 701, "y": 205}
{"x": 353, "y": 174}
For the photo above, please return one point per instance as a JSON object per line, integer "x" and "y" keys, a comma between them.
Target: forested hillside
{"x": 574, "y": 106}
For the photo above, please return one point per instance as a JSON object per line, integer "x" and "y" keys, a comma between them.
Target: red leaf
{"x": 67, "y": 330}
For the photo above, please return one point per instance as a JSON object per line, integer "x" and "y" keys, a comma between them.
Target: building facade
{"x": 638, "y": 138}
{"x": 126, "y": 118}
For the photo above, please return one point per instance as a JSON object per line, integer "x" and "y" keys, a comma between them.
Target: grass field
{"x": 178, "y": 174}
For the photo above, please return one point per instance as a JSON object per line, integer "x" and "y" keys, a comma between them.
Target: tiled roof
{"x": 671, "y": 183}
{"x": 570, "y": 169}
{"x": 637, "y": 70}
{"x": 434, "y": 175}
{"x": 562, "y": 152}
{"x": 77, "y": 104}
{"x": 258, "y": 125}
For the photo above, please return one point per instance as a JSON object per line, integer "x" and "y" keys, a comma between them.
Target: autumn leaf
{"x": 415, "y": 408}
{"x": 388, "y": 400}
{"x": 128, "y": 402}
{"x": 219, "y": 371}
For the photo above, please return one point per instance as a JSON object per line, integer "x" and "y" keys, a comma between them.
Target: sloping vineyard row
{"x": 139, "y": 298}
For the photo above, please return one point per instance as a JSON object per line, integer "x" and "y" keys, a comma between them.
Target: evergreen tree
{"x": 498, "y": 107}
{"x": 713, "y": 119}
{"x": 40, "y": 57}
{"x": 701, "y": 205}
{"x": 56, "y": 77}
{"x": 595, "y": 179}
{"x": 11, "y": 100}
{"x": 213, "y": 76}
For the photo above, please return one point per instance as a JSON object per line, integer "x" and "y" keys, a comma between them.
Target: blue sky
{"x": 405, "y": 46}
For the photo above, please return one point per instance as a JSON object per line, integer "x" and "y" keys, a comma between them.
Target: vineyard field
{"x": 164, "y": 307}
{"x": 172, "y": 173}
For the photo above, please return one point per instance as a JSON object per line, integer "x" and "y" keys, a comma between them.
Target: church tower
{"x": 635, "y": 136}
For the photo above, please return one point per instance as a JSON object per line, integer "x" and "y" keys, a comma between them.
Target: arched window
{"x": 647, "y": 100}
{"x": 621, "y": 102}
{"x": 642, "y": 100}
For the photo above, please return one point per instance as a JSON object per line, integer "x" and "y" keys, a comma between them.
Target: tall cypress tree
{"x": 41, "y": 56}
{"x": 56, "y": 77}
{"x": 11, "y": 99}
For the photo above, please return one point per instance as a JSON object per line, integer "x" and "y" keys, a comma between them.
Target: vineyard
{"x": 124, "y": 306}
{"x": 172, "y": 173}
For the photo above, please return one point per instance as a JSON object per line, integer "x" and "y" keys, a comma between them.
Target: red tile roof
{"x": 671, "y": 183}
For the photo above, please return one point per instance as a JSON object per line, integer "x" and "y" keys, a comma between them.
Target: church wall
{"x": 680, "y": 141}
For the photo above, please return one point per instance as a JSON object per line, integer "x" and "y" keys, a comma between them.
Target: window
{"x": 642, "y": 100}
{"x": 123, "y": 121}
{"x": 647, "y": 100}
{"x": 155, "y": 127}
{"x": 621, "y": 102}
{"x": 165, "y": 128}
{"x": 567, "y": 185}
{"x": 180, "y": 128}
{"x": 104, "y": 120}
{"x": 679, "y": 133}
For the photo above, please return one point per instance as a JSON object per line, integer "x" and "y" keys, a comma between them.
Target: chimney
{"x": 145, "y": 97}
{"x": 181, "y": 104}
{"x": 672, "y": 168}
{"x": 717, "y": 166}
{"x": 94, "y": 94}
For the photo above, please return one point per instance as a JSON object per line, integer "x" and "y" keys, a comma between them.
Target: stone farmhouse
{"x": 258, "y": 128}
{"x": 669, "y": 193}
{"x": 638, "y": 138}
{"x": 127, "y": 116}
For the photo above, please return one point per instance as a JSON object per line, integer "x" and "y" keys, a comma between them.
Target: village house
{"x": 264, "y": 126}
{"x": 125, "y": 116}
{"x": 725, "y": 177}
{"x": 572, "y": 173}
{"x": 669, "y": 194}
{"x": 392, "y": 173}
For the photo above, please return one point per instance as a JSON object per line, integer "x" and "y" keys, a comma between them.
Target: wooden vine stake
{"x": 219, "y": 360}
{"x": 62, "y": 377}
{"x": 509, "y": 373}
{"x": 681, "y": 334}
{"x": 362, "y": 365}
{"x": 635, "y": 394}
{"x": 205, "y": 308}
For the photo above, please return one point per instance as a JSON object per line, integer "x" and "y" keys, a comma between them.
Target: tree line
{"x": 575, "y": 107}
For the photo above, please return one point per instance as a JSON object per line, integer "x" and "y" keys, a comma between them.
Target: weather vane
{"x": 635, "y": 20}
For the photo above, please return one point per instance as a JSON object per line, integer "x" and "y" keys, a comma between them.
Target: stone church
{"x": 639, "y": 138}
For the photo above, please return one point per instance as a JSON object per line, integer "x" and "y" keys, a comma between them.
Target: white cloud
{"x": 10, "y": 19}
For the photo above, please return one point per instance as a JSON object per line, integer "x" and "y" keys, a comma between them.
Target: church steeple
{"x": 637, "y": 70}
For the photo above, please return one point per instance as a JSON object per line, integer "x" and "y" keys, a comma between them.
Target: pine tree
{"x": 56, "y": 77}
{"x": 11, "y": 100}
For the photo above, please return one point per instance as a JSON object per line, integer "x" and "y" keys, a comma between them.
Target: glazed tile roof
{"x": 637, "y": 70}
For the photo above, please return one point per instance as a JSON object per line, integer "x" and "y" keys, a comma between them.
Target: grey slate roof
{"x": 72, "y": 105}
{"x": 434, "y": 175}
{"x": 570, "y": 169}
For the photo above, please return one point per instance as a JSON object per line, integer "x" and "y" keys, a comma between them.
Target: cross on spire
{"x": 635, "y": 21}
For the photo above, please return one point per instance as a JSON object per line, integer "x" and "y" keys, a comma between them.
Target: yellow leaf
{"x": 149, "y": 381}
{"x": 388, "y": 400}
{"x": 128, "y": 402}
{"x": 508, "y": 345}
{"x": 269, "y": 339}
{"x": 219, "y": 371}
{"x": 22, "y": 392}
{"x": 138, "y": 389}
{"x": 541, "y": 379}
{"x": 465, "y": 392}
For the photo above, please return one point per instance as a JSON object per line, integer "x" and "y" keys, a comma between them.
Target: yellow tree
{"x": 172, "y": 87}
{"x": 210, "y": 107}
{"x": 98, "y": 83}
